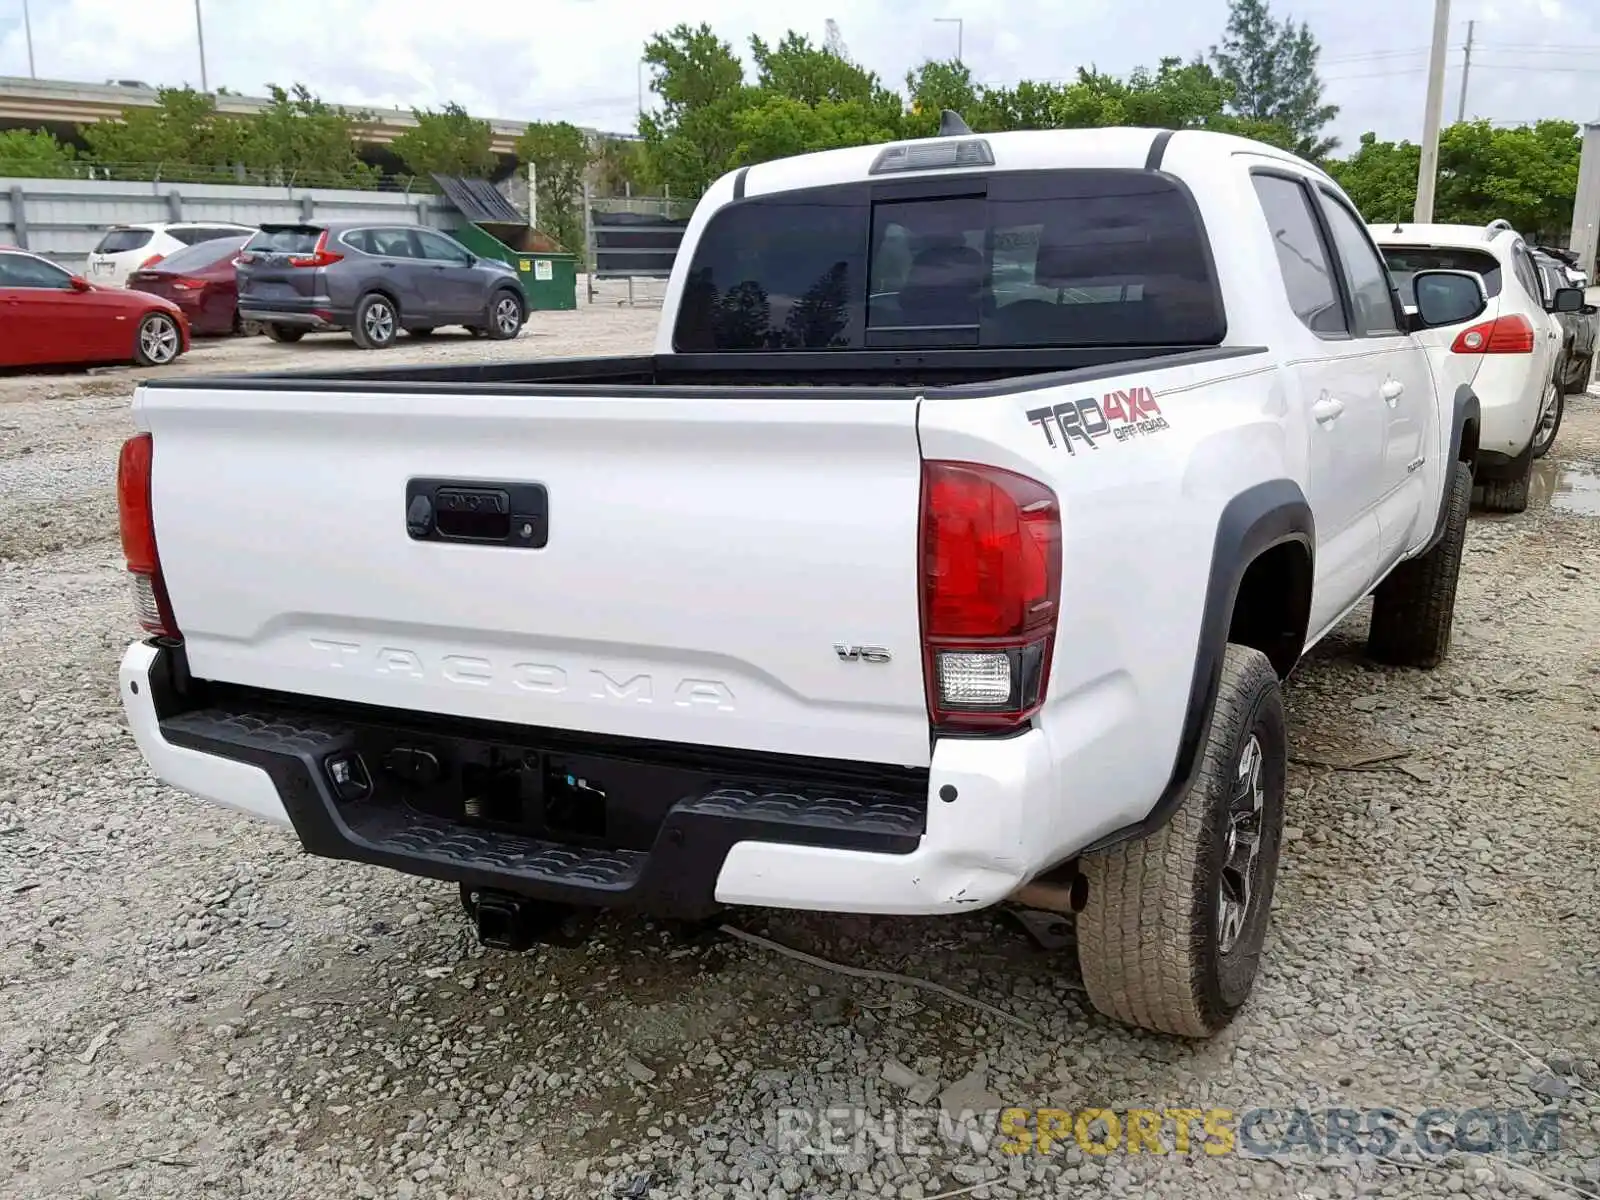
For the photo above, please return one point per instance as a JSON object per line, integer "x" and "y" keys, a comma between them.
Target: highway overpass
{"x": 61, "y": 106}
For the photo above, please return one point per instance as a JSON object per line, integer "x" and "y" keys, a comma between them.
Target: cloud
{"x": 578, "y": 59}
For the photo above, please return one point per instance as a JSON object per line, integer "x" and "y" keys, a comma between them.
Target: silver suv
{"x": 374, "y": 280}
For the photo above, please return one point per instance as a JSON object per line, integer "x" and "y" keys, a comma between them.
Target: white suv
{"x": 128, "y": 248}
{"x": 1507, "y": 356}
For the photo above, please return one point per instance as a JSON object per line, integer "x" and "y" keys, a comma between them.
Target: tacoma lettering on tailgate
{"x": 1119, "y": 415}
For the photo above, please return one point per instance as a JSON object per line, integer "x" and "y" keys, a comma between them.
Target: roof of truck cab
{"x": 1021, "y": 150}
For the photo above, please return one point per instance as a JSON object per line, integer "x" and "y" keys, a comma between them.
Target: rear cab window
{"x": 1405, "y": 261}
{"x": 1024, "y": 259}
{"x": 120, "y": 241}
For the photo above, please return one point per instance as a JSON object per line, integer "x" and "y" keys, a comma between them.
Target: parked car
{"x": 125, "y": 249}
{"x": 1041, "y": 560}
{"x": 1507, "y": 355}
{"x": 199, "y": 279}
{"x": 49, "y": 315}
{"x": 1580, "y": 330}
{"x": 374, "y": 280}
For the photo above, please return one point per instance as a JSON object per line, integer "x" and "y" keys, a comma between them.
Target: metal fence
{"x": 633, "y": 238}
{"x": 63, "y": 219}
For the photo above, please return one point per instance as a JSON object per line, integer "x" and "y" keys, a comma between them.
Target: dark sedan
{"x": 1580, "y": 331}
{"x": 374, "y": 280}
{"x": 199, "y": 279}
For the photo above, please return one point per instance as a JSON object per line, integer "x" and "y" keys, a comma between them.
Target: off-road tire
{"x": 1508, "y": 495}
{"x": 1544, "y": 433}
{"x": 1148, "y": 936}
{"x": 376, "y": 323}
{"x": 285, "y": 333}
{"x": 1414, "y": 608}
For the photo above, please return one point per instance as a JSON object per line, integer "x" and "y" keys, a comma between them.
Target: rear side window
{"x": 203, "y": 254}
{"x": 1371, "y": 297}
{"x": 1405, "y": 261}
{"x": 285, "y": 239}
{"x": 1302, "y": 257}
{"x": 120, "y": 241}
{"x": 1034, "y": 259}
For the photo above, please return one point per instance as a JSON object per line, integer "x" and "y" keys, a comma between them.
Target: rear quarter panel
{"x": 1143, "y": 463}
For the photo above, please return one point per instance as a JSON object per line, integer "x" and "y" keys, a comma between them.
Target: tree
{"x": 1527, "y": 175}
{"x": 299, "y": 135}
{"x": 935, "y": 86}
{"x": 780, "y": 126}
{"x": 34, "y": 154}
{"x": 1270, "y": 68}
{"x": 450, "y": 142}
{"x": 619, "y": 167}
{"x": 796, "y": 69}
{"x": 183, "y": 130}
{"x": 560, "y": 155}
{"x": 700, "y": 80}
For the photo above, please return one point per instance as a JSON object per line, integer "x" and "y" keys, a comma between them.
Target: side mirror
{"x": 1567, "y": 300}
{"x": 1447, "y": 298}
{"x": 79, "y": 284}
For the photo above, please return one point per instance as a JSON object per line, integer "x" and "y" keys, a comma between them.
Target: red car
{"x": 200, "y": 280}
{"x": 49, "y": 316}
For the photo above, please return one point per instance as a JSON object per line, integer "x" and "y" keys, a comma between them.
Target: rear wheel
{"x": 1413, "y": 609}
{"x": 376, "y": 322}
{"x": 158, "y": 341}
{"x": 285, "y": 333}
{"x": 505, "y": 315}
{"x": 1171, "y": 934}
{"x": 1550, "y": 413}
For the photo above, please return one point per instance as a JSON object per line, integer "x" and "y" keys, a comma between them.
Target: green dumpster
{"x": 549, "y": 274}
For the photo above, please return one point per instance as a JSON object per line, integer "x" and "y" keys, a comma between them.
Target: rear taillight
{"x": 189, "y": 285}
{"x": 150, "y": 600}
{"x": 991, "y": 592}
{"x": 1504, "y": 335}
{"x": 320, "y": 255}
{"x": 151, "y": 261}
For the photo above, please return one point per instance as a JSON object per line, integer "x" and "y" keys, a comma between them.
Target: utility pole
{"x": 1585, "y": 238}
{"x": 200, "y": 36}
{"x": 1466, "y": 73}
{"x": 27, "y": 29}
{"x": 640, "y": 74}
{"x": 960, "y": 25}
{"x": 1428, "y": 169}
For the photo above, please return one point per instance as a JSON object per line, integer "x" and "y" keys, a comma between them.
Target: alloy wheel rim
{"x": 1242, "y": 849}
{"x": 379, "y": 322}
{"x": 159, "y": 340}
{"x": 508, "y": 315}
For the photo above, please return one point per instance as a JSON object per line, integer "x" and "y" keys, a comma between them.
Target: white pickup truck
{"x": 949, "y": 549}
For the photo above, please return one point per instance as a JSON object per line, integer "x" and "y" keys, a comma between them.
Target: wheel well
{"x": 387, "y": 295}
{"x": 1273, "y": 605}
{"x": 1469, "y": 443}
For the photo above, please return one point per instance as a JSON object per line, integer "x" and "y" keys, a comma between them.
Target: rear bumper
{"x": 699, "y": 828}
{"x": 314, "y": 313}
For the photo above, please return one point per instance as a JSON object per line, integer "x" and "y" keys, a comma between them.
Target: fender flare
{"x": 1253, "y": 522}
{"x": 1465, "y": 408}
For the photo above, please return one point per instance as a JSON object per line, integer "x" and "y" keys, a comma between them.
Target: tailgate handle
{"x": 487, "y": 514}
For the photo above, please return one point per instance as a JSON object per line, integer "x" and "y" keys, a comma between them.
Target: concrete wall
{"x": 62, "y": 219}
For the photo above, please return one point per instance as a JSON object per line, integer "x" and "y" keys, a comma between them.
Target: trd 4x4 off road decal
{"x": 1119, "y": 416}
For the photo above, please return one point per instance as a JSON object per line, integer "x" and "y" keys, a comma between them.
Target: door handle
{"x": 1327, "y": 410}
{"x": 1391, "y": 391}
{"x": 388, "y": 266}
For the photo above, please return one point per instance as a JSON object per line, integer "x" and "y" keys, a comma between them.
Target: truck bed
{"x": 965, "y": 372}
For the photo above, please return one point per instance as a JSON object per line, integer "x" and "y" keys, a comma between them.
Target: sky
{"x": 578, "y": 60}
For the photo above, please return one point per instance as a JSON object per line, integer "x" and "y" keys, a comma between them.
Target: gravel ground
{"x": 191, "y": 1007}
